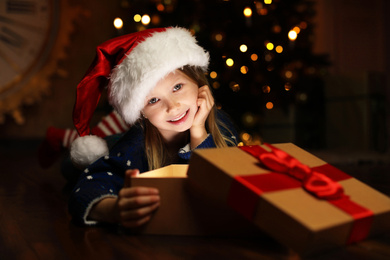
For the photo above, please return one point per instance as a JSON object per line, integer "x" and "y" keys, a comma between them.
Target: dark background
{"x": 338, "y": 105}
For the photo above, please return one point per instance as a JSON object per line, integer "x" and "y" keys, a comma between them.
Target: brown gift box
{"x": 292, "y": 216}
{"x": 183, "y": 212}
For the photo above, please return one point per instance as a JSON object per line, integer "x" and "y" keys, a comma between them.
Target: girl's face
{"x": 171, "y": 106}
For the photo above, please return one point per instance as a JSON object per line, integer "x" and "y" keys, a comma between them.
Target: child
{"x": 157, "y": 84}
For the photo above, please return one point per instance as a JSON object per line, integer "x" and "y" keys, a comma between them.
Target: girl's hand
{"x": 205, "y": 104}
{"x": 133, "y": 207}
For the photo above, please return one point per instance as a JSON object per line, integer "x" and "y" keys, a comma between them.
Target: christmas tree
{"x": 261, "y": 58}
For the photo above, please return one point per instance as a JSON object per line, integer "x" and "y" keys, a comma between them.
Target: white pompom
{"x": 87, "y": 149}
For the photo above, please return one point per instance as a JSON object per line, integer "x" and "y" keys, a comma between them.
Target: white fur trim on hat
{"x": 147, "y": 63}
{"x": 87, "y": 149}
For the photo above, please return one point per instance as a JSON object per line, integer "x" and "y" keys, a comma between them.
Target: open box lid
{"x": 170, "y": 171}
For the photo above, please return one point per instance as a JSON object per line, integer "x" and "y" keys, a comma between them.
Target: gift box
{"x": 183, "y": 212}
{"x": 295, "y": 197}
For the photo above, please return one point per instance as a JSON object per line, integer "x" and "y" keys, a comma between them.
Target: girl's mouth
{"x": 180, "y": 118}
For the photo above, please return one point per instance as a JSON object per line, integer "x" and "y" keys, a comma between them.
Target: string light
{"x": 279, "y": 49}
{"x": 270, "y": 46}
{"x": 243, "y": 48}
{"x": 266, "y": 89}
{"x": 160, "y": 7}
{"x": 213, "y": 74}
{"x": 246, "y": 137}
{"x": 230, "y": 62}
{"x": 218, "y": 37}
{"x": 216, "y": 85}
{"x": 269, "y": 105}
{"x": 247, "y": 12}
{"x": 292, "y": 35}
{"x": 137, "y": 18}
{"x": 267, "y": 2}
{"x": 287, "y": 86}
{"x": 145, "y": 20}
{"x": 288, "y": 74}
{"x": 244, "y": 69}
{"x": 254, "y": 57}
{"x": 297, "y": 29}
{"x": 118, "y": 23}
{"x": 235, "y": 86}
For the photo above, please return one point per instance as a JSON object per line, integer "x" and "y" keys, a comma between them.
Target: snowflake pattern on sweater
{"x": 105, "y": 177}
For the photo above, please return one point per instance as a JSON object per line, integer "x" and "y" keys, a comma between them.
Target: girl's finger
{"x": 139, "y": 212}
{"x": 128, "y": 175}
{"x": 135, "y": 223}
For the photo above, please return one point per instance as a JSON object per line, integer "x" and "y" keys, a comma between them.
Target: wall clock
{"x": 33, "y": 36}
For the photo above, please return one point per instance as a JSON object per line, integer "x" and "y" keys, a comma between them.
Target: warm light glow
{"x": 137, "y": 18}
{"x": 266, "y": 89}
{"x": 216, "y": 85}
{"x": 270, "y": 46}
{"x": 160, "y": 7}
{"x": 263, "y": 11}
{"x": 213, "y": 74}
{"x": 254, "y": 57}
{"x": 276, "y": 29}
{"x": 249, "y": 118}
{"x": 243, "y": 48}
{"x": 279, "y": 49}
{"x": 145, "y": 20}
{"x": 288, "y": 74}
{"x": 268, "y": 57}
{"x": 297, "y": 29}
{"x": 156, "y": 19}
{"x": 230, "y": 62}
{"x": 118, "y": 23}
{"x": 218, "y": 37}
{"x": 267, "y": 2}
{"x": 302, "y": 97}
{"x": 292, "y": 35}
{"x": 247, "y": 12}
{"x": 244, "y": 69}
{"x": 303, "y": 25}
{"x": 269, "y": 105}
{"x": 234, "y": 86}
{"x": 287, "y": 86}
{"x": 246, "y": 137}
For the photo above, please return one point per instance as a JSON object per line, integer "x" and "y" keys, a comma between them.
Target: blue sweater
{"x": 105, "y": 177}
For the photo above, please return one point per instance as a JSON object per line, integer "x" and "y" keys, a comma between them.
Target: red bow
{"x": 314, "y": 182}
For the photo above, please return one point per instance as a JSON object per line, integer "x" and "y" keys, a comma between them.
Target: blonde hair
{"x": 156, "y": 151}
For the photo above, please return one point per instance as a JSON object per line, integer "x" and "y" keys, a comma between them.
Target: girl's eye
{"x": 153, "y": 101}
{"x": 177, "y": 87}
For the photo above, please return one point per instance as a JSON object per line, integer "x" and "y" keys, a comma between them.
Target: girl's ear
{"x": 143, "y": 115}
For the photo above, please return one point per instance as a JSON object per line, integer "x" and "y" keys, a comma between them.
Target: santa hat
{"x": 131, "y": 65}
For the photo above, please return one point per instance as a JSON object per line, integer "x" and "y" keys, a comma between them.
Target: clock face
{"x": 26, "y": 30}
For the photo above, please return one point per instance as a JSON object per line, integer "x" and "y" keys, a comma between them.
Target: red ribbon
{"x": 314, "y": 182}
{"x": 320, "y": 181}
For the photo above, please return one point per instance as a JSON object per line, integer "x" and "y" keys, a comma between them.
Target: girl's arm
{"x": 132, "y": 208}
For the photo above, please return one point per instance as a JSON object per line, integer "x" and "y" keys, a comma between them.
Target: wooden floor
{"x": 34, "y": 224}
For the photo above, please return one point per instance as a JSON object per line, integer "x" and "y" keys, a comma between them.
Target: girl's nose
{"x": 172, "y": 104}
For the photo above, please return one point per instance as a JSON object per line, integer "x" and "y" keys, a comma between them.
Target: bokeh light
{"x": 230, "y": 62}
{"x": 118, "y": 23}
{"x": 145, "y": 20}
